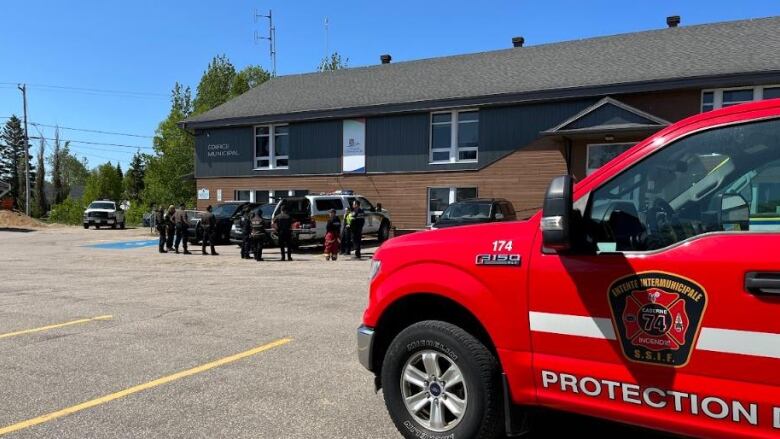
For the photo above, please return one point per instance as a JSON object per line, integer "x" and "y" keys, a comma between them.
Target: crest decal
{"x": 657, "y": 317}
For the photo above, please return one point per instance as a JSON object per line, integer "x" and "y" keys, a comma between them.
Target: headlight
{"x": 374, "y": 270}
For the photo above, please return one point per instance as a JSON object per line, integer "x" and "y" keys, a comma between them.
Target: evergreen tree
{"x": 41, "y": 206}
{"x": 119, "y": 172}
{"x": 12, "y": 138}
{"x": 55, "y": 161}
{"x": 134, "y": 177}
{"x": 215, "y": 85}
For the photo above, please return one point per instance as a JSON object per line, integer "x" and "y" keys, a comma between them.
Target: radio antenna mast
{"x": 271, "y": 37}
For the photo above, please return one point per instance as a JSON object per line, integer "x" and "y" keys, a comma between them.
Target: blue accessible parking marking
{"x": 124, "y": 245}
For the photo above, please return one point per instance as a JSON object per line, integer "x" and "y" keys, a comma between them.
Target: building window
{"x": 454, "y": 136}
{"x": 272, "y": 146}
{"x": 441, "y": 197}
{"x": 242, "y": 195}
{"x": 726, "y": 97}
{"x": 600, "y": 154}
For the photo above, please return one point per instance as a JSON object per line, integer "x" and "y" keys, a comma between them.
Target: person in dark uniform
{"x": 209, "y": 225}
{"x": 245, "y": 224}
{"x": 257, "y": 235}
{"x": 159, "y": 221}
{"x": 332, "y": 231}
{"x": 356, "y": 226}
{"x": 181, "y": 222}
{"x": 283, "y": 227}
{"x": 170, "y": 227}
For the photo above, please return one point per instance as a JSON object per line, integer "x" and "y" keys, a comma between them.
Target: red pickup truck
{"x": 648, "y": 293}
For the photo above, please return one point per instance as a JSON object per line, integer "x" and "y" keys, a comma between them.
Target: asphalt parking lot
{"x": 99, "y": 339}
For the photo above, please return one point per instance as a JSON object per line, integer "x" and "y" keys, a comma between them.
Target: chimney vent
{"x": 673, "y": 21}
{"x": 518, "y": 41}
{"x": 385, "y": 59}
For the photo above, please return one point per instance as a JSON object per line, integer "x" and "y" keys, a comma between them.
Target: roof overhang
{"x": 710, "y": 81}
{"x": 608, "y": 116}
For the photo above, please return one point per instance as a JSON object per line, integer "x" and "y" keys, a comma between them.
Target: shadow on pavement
{"x": 16, "y": 230}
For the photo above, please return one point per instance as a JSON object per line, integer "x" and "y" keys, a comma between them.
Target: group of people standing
{"x": 254, "y": 231}
{"x": 172, "y": 224}
{"x": 351, "y": 237}
{"x": 342, "y": 235}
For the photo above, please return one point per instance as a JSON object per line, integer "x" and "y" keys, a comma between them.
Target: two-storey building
{"x": 418, "y": 135}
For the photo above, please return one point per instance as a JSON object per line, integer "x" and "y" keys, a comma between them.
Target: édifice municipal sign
{"x": 221, "y": 150}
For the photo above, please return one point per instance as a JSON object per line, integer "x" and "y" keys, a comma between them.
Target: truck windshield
{"x": 98, "y": 205}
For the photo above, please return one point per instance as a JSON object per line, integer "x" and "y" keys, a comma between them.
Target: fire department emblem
{"x": 657, "y": 317}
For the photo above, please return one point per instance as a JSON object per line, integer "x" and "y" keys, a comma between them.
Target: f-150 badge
{"x": 657, "y": 317}
{"x": 498, "y": 259}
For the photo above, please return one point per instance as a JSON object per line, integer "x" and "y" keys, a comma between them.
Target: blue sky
{"x": 145, "y": 46}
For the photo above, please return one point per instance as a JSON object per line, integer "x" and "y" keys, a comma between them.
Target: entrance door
{"x": 672, "y": 318}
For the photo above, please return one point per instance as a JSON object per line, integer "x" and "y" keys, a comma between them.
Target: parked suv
{"x": 476, "y": 211}
{"x": 104, "y": 212}
{"x": 377, "y": 219}
{"x": 225, "y": 213}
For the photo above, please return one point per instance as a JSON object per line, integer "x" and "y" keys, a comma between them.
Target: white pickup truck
{"x": 104, "y": 212}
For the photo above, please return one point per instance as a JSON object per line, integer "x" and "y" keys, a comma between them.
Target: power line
{"x": 85, "y": 142}
{"x": 93, "y": 90}
{"x": 92, "y": 131}
{"x": 86, "y": 130}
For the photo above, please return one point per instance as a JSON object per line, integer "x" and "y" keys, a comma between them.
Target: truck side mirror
{"x": 734, "y": 213}
{"x": 557, "y": 214}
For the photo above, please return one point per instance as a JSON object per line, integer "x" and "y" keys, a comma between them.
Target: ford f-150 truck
{"x": 648, "y": 293}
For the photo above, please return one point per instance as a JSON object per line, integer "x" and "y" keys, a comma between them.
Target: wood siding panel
{"x": 522, "y": 177}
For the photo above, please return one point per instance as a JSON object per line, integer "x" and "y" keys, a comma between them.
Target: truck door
{"x": 668, "y": 314}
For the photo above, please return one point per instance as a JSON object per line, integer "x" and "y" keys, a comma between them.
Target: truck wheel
{"x": 441, "y": 381}
{"x": 113, "y": 226}
{"x": 97, "y": 226}
{"x": 86, "y": 226}
{"x": 122, "y": 225}
{"x": 384, "y": 231}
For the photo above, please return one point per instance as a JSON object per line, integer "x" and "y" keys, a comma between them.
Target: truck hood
{"x": 99, "y": 210}
{"x": 460, "y": 244}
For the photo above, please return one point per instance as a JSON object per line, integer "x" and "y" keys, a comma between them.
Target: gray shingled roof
{"x": 729, "y": 48}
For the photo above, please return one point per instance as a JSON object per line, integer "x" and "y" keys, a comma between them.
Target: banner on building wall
{"x": 354, "y": 154}
{"x": 203, "y": 194}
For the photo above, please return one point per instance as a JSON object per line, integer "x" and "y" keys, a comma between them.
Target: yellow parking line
{"x": 135, "y": 389}
{"x": 55, "y": 326}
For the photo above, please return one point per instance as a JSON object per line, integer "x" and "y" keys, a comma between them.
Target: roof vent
{"x": 385, "y": 59}
{"x": 518, "y": 41}
{"x": 673, "y": 21}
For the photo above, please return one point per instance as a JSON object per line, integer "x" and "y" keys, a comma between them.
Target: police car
{"x": 648, "y": 293}
{"x": 104, "y": 213}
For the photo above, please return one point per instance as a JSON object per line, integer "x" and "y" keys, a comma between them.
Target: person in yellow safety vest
{"x": 346, "y": 234}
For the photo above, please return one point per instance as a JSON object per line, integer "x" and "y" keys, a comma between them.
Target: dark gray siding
{"x": 315, "y": 148}
{"x": 401, "y": 143}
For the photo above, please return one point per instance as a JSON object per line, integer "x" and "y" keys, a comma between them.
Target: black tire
{"x": 86, "y": 226}
{"x": 483, "y": 414}
{"x": 113, "y": 226}
{"x": 122, "y": 225}
{"x": 384, "y": 231}
{"x": 97, "y": 226}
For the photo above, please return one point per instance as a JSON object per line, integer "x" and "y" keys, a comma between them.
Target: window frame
{"x": 453, "y": 194}
{"x": 717, "y": 95}
{"x": 251, "y": 195}
{"x": 454, "y": 150}
{"x": 588, "y": 171}
{"x": 271, "y": 157}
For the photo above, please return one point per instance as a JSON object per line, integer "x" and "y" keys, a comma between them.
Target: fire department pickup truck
{"x": 648, "y": 293}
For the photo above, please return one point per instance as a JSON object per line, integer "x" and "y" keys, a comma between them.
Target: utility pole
{"x": 271, "y": 37}
{"x": 23, "y": 88}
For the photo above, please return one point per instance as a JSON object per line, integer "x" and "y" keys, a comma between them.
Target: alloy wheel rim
{"x": 434, "y": 390}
